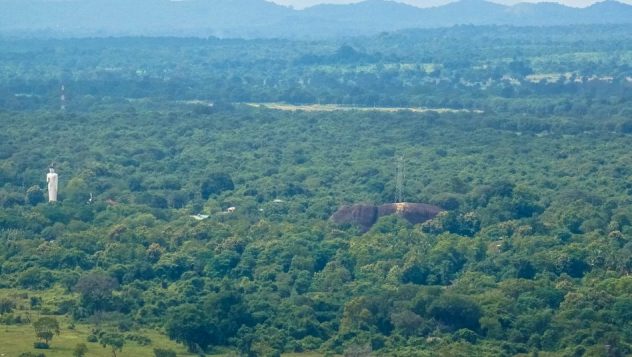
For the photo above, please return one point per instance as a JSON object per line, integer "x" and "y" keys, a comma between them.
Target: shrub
{"x": 140, "y": 339}
{"x": 80, "y": 350}
{"x": 465, "y": 334}
{"x": 35, "y": 302}
{"x": 34, "y": 195}
{"x": 40, "y": 345}
{"x": 159, "y": 352}
{"x": 124, "y": 325}
{"x": 31, "y": 354}
{"x": 6, "y": 305}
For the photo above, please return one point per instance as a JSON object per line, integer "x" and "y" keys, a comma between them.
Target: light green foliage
{"x": 46, "y": 328}
{"x": 80, "y": 350}
{"x": 114, "y": 341}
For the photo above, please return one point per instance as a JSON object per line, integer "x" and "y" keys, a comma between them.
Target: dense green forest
{"x": 189, "y": 207}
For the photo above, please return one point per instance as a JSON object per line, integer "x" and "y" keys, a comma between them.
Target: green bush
{"x": 41, "y": 345}
{"x": 6, "y": 305}
{"x": 140, "y": 339}
{"x": 159, "y": 352}
{"x": 31, "y": 354}
{"x": 80, "y": 350}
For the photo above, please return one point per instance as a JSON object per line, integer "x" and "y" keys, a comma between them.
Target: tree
{"x": 407, "y": 322}
{"x": 114, "y": 340}
{"x": 6, "y": 305}
{"x": 80, "y": 350}
{"x": 96, "y": 290}
{"x": 188, "y": 324}
{"x": 46, "y": 328}
{"x": 456, "y": 311}
{"x": 34, "y": 195}
{"x": 35, "y": 278}
{"x": 77, "y": 190}
{"x": 216, "y": 183}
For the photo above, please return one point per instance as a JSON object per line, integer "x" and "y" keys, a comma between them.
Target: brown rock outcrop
{"x": 361, "y": 215}
{"x": 364, "y": 216}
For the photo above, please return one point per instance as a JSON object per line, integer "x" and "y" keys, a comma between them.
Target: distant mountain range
{"x": 262, "y": 19}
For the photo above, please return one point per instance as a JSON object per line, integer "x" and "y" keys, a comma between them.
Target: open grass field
{"x": 19, "y": 338}
{"x": 16, "y": 339}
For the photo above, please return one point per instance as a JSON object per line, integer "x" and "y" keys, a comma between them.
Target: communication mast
{"x": 399, "y": 182}
{"x": 63, "y": 98}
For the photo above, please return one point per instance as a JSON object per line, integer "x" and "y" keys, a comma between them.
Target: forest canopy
{"x": 197, "y": 179}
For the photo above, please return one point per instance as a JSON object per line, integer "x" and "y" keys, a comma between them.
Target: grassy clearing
{"x": 335, "y": 107}
{"x": 19, "y": 338}
{"x": 15, "y": 339}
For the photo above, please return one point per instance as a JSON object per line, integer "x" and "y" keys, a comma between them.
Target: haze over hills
{"x": 262, "y": 19}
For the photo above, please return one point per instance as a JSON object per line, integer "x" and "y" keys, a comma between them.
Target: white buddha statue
{"x": 51, "y": 178}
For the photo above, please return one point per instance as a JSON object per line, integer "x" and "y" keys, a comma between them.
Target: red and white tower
{"x": 63, "y": 98}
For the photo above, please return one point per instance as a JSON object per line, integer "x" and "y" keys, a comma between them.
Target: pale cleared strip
{"x": 335, "y": 107}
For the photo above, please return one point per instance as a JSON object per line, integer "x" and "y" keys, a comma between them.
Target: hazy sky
{"x": 299, "y": 4}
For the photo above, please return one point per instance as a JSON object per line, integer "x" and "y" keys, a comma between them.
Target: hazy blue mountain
{"x": 611, "y": 12}
{"x": 545, "y": 13}
{"x": 476, "y": 12}
{"x": 258, "y": 18}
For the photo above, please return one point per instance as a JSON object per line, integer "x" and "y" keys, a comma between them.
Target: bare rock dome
{"x": 365, "y": 215}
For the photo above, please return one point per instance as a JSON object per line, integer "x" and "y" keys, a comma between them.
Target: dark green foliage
{"x": 35, "y": 278}
{"x": 41, "y": 345}
{"x": 216, "y": 183}
{"x": 161, "y": 352}
{"x": 465, "y": 335}
{"x": 6, "y": 305}
{"x": 215, "y": 321}
{"x": 80, "y": 350}
{"x": 140, "y": 339}
{"x": 96, "y": 289}
{"x": 189, "y": 325}
{"x": 35, "y": 302}
{"x": 34, "y": 195}
{"x": 456, "y": 311}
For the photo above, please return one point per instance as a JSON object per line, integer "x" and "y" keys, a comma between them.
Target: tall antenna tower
{"x": 399, "y": 182}
{"x": 62, "y": 98}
